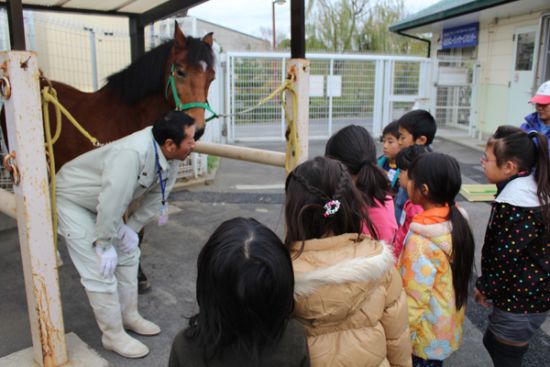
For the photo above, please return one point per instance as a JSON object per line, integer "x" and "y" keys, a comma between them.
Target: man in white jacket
{"x": 94, "y": 191}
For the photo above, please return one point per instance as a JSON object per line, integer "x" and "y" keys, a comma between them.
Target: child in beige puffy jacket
{"x": 348, "y": 293}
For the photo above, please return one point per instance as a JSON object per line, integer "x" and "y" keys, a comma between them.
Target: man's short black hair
{"x": 419, "y": 123}
{"x": 392, "y": 129}
{"x": 171, "y": 126}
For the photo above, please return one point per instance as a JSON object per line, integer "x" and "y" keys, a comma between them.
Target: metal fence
{"x": 361, "y": 89}
{"x": 455, "y": 93}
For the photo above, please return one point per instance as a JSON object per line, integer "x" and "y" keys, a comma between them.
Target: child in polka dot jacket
{"x": 515, "y": 259}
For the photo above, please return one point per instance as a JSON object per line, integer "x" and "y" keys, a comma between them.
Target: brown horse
{"x": 176, "y": 74}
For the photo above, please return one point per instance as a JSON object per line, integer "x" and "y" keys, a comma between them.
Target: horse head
{"x": 189, "y": 72}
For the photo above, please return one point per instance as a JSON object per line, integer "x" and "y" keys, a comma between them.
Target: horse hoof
{"x": 144, "y": 286}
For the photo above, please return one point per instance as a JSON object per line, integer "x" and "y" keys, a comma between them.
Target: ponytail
{"x": 373, "y": 183}
{"x": 462, "y": 257}
{"x": 322, "y": 200}
{"x": 355, "y": 148}
{"x": 542, "y": 176}
{"x": 530, "y": 152}
{"x": 441, "y": 173}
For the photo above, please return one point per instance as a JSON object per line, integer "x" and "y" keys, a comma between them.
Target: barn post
{"x": 19, "y": 69}
{"x": 298, "y": 72}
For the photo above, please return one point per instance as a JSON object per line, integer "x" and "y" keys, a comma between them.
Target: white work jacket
{"x": 107, "y": 179}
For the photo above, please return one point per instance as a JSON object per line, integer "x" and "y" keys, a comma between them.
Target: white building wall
{"x": 495, "y": 55}
{"x": 496, "y": 58}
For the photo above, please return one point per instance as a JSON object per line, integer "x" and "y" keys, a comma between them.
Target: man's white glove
{"x": 129, "y": 239}
{"x": 108, "y": 260}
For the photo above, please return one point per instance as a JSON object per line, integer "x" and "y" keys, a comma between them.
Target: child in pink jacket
{"x": 356, "y": 149}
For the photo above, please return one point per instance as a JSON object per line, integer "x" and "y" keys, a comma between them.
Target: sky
{"x": 249, "y": 16}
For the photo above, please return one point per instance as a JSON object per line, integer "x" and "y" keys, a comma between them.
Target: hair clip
{"x": 331, "y": 208}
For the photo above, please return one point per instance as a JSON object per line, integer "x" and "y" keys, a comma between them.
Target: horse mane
{"x": 145, "y": 76}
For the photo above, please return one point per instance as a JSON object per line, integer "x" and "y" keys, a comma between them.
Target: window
{"x": 524, "y": 51}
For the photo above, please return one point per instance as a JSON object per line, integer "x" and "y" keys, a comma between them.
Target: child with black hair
{"x": 415, "y": 127}
{"x": 356, "y": 149}
{"x": 515, "y": 259}
{"x": 348, "y": 293}
{"x": 390, "y": 146}
{"x": 245, "y": 290}
{"x": 437, "y": 259}
{"x": 404, "y": 160}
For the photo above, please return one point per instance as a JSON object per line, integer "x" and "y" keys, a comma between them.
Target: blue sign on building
{"x": 461, "y": 36}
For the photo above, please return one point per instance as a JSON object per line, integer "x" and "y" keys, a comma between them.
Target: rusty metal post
{"x": 26, "y": 138}
{"x": 298, "y": 72}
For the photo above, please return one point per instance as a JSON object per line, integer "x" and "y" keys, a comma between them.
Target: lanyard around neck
{"x": 159, "y": 171}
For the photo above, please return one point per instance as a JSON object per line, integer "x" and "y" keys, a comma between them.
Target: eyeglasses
{"x": 485, "y": 159}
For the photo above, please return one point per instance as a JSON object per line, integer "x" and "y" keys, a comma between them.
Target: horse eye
{"x": 180, "y": 73}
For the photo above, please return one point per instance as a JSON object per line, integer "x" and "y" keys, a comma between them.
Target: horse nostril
{"x": 199, "y": 133}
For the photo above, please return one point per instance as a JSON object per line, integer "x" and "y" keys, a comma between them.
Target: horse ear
{"x": 179, "y": 38}
{"x": 209, "y": 39}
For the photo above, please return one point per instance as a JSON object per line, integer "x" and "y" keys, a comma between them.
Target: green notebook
{"x": 478, "y": 192}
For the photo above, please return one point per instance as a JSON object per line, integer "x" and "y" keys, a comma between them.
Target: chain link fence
{"x": 364, "y": 90}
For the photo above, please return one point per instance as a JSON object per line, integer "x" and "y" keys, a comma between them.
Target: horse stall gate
{"x": 84, "y": 55}
{"x": 365, "y": 90}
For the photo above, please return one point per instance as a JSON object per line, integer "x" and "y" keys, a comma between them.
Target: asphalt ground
{"x": 170, "y": 253}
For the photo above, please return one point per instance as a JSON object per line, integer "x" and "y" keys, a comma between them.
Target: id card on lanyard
{"x": 163, "y": 215}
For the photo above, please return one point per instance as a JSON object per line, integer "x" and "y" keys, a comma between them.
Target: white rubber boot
{"x": 109, "y": 319}
{"x": 128, "y": 292}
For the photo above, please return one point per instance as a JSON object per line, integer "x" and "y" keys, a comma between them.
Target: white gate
{"x": 454, "y": 93}
{"x": 344, "y": 89}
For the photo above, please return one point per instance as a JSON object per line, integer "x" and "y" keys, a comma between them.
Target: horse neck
{"x": 149, "y": 109}
{"x": 105, "y": 108}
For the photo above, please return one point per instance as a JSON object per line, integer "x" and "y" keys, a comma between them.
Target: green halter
{"x": 186, "y": 106}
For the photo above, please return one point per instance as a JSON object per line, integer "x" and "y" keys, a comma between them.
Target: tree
{"x": 335, "y": 23}
{"x": 357, "y": 26}
{"x": 375, "y": 36}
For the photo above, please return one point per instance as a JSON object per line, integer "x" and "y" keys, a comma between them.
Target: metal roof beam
{"x": 60, "y": 9}
{"x": 165, "y": 10}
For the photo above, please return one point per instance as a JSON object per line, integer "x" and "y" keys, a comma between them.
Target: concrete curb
{"x": 179, "y": 186}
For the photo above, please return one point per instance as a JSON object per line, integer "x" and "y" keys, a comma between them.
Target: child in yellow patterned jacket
{"x": 437, "y": 260}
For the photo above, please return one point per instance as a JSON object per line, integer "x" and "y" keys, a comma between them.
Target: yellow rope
{"x": 292, "y": 148}
{"x": 49, "y": 96}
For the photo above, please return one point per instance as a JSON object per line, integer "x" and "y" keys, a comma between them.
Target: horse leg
{"x": 144, "y": 285}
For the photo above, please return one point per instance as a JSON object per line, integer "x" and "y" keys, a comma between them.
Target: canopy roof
{"x": 144, "y": 11}
{"x": 449, "y": 13}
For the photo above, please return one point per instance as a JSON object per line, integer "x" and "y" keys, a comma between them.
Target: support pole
{"x": 298, "y": 72}
{"x": 242, "y": 153}
{"x": 137, "y": 39}
{"x": 26, "y": 138}
{"x": 16, "y": 24}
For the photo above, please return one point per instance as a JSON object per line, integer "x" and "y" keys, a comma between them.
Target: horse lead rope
{"x": 292, "y": 135}
{"x": 49, "y": 95}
